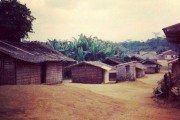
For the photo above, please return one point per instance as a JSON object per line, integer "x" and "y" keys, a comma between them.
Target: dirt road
{"x": 69, "y": 101}
{"x": 137, "y": 98}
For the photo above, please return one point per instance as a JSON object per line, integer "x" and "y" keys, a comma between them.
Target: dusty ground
{"x": 122, "y": 101}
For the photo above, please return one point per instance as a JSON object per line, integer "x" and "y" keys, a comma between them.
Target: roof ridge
{"x": 34, "y": 52}
{"x": 17, "y": 48}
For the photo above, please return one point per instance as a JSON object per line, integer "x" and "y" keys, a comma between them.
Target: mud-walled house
{"x": 90, "y": 72}
{"x": 125, "y": 71}
{"x": 151, "y": 66}
{"x": 30, "y": 63}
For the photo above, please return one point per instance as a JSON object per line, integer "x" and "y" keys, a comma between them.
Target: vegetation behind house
{"x": 93, "y": 48}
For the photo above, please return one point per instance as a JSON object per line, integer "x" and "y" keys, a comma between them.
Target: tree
{"x": 15, "y": 20}
{"x": 86, "y": 48}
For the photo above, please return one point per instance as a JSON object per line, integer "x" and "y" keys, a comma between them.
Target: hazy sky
{"x": 115, "y": 20}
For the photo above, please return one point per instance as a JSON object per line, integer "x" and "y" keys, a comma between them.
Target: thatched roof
{"x": 173, "y": 33}
{"x": 127, "y": 63}
{"x": 93, "y": 63}
{"x": 137, "y": 64}
{"x": 136, "y": 57}
{"x": 123, "y": 64}
{"x": 149, "y": 55}
{"x": 34, "y": 52}
{"x": 148, "y": 61}
{"x": 140, "y": 66}
{"x": 113, "y": 59}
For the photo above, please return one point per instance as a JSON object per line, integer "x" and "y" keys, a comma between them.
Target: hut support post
{"x": 106, "y": 77}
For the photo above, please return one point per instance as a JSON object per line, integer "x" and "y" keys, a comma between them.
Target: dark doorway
{"x": 7, "y": 71}
{"x": 43, "y": 72}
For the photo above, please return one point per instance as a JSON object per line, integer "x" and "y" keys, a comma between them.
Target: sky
{"x": 115, "y": 20}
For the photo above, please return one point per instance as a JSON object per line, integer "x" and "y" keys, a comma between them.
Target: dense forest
{"x": 93, "y": 48}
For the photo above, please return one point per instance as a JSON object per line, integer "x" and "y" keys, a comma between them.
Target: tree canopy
{"x": 86, "y": 48}
{"x": 15, "y": 20}
{"x": 93, "y": 48}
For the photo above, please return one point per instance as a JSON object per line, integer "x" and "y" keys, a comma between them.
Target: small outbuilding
{"x": 30, "y": 63}
{"x": 151, "y": 66}
{"x": 125, "y": 71}
{"x": 90, "y": 72}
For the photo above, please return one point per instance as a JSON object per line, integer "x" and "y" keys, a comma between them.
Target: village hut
{"x": 90, "y": 72}
{"x": 125, "y": 71}
{"x": 140, "y": 70}
{"x": 112, "y": 61}
{"x": 168, "y": 55}
{"x": 30, "y": 63}
{"x": 151, "y": 66}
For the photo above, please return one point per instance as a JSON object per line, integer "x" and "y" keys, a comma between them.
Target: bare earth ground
{"x": 122, "y": 101}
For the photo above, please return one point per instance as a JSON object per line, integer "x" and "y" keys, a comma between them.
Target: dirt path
{"x": 136, "y": 96}
{"x": 69, "y": 101}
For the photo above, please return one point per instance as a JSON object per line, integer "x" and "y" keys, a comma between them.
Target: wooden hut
{"x": 125, "y": 71}
{"x": 140, "y": 70}
{"x": 90, "y": 72}
{"x": 112, "y": 61}
{"x": 30, "y": 63}
{"x": 151, "y": 66}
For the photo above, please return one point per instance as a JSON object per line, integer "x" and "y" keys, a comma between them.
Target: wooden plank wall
{"x": 87, "y": 74}
{"x": 7, "y": 70}
{"x": 28, "y": 73}
{"x": 53, "y": 73}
